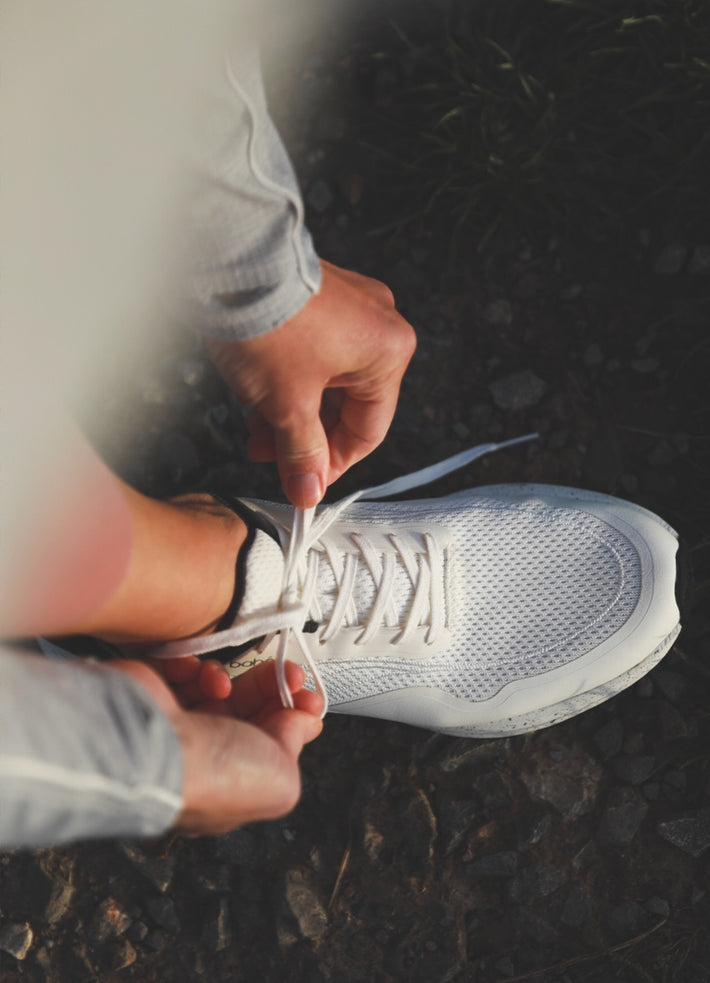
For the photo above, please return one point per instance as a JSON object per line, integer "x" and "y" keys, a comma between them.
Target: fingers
{"x": 324, "y": 384}
{"x": 194, "y": 680}
{"x": 302, "y": 455}
{"x": 257, "y": 690}
{"x": 292, "y": 729}
{"x": 236, "y": 773}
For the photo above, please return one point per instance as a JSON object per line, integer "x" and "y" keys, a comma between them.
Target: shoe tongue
{"x": 263, "y": 573}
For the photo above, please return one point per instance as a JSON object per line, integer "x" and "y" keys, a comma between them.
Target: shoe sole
{"x": 530, "y": 722}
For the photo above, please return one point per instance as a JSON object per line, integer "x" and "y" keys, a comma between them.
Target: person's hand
{"x": 323, "y": 385}
{"x": 240, "y": 747}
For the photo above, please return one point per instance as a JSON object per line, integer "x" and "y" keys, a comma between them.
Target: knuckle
{"x": 401, "y": 340}
{"x": 383, "y": 293}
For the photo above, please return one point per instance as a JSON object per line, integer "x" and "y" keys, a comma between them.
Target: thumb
{"x": 292, "y": 729}
{"x": 303, "y": 459}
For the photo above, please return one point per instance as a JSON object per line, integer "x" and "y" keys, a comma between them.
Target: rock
{"x": 671, "y": 684}
{"x": 609, "y": 738}
{"x": 505, "y": 966}
{"x": 162, "y": 911}
{"x": 625, "y": 812}
{"x": 16, "y": 939}
{"x": 419, "y": 832}
{"x": 633, "y": 769}
{"x": 577, "y": 907}
{"x": 533, "y": 825}
{"x": 455, "y": 819}
{"x": 121, "y": 955}
{"x": 158, "y": 872}
{"x": 77, "y": 967}
{"x": 304, "y": 904}
{"x": 627, "y": 919}
{"x": 700, "y": 262}
{"x": 216, "y": 928}
{"x": 537, "y": 928}
{"x": 533, "y": 883}
{"x": 319, "y": 196}
{"x": 155, "y": 939}
{"x": 110, "y": 921}
{"x": 499, "y": 312}
{"x": 651, "y": 791}
{"x": 671, "y": 259}
{"x": 658, "y": 906}
{"x": 690, "y": 833}
{"x": 137, "y": 932}
{"x": 47, "y": 892}
{"x": 493, "y": 790}
{"x": 585, "y": 857}
{"x": 673, "y": 722}
{"x": 518, "y": 391}
{"x": 373, "y": 841}
{"x": 212, "y": 877}
{"x": 503, "y": 864}
{"x": 571, "y": 785}
{"x": 437, "y": 964}
{"x": 675, "y": 783}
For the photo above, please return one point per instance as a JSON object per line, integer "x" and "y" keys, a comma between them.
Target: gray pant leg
{"x": 84, "y": 753}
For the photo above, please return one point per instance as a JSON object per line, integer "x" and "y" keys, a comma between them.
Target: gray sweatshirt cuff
{"x": 84, "y": 753}
{"x": 255, "y": 266}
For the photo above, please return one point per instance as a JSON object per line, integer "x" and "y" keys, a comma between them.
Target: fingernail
{"x": 304, "y": 489}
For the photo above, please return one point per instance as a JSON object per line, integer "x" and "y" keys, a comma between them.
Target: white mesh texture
{"x": 531, "y": 588}
{"x": 263, "y": 575}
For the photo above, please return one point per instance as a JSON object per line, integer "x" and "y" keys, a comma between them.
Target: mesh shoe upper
{"x": 528, "y": 587}
{"x": 491, "y": 611}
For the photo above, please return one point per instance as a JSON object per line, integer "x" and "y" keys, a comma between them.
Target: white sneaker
{"x": 494, "y": 611}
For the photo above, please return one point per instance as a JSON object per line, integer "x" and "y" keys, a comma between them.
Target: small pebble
{"x": 690, "y": 833}
{"x": 518, "y": 391}
{"x": 319, "y": 196}
{"x": 658, "y": 906}
{"x": 16, "y": 939}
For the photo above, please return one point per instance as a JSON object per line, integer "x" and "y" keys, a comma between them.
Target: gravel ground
{"x": 579, "y": 853}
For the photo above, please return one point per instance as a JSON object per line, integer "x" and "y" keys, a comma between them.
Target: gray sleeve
{"x": 255, "y": 265}
{"x": 84, "y": 752}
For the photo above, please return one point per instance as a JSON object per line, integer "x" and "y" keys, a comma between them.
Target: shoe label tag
{"x": 240, "y": 665}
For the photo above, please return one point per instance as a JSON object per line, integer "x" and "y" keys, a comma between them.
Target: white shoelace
{"x": 298, "y": 605}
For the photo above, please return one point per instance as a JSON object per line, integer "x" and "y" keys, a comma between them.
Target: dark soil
{"x": 574, "y": 855}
